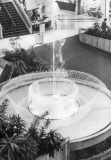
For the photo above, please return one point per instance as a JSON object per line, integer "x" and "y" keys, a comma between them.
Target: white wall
{"x": 31, "y": 4}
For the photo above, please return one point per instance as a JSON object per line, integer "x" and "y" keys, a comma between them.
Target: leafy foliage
{"x": 23, "y": 62}
{"x": 3, "y": 118}
{"x": 31, "y": 149}
{"x": 18, "y": 142}
{"x": 96, "y": 30}
{"x": 95, "y": 12}
{"x": 15, "y": 125}
{"x": 11, "y": 148}
{"x": 50, "y": 143}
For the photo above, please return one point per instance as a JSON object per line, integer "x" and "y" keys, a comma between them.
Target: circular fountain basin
{"x": 89, "y": 122}
{"x": 58, "y": 96}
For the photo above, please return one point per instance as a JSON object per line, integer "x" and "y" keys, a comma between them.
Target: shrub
{"x": 96, "y": 30}
{"x": 23, "y": 62}
{"x": 19, "y": 142}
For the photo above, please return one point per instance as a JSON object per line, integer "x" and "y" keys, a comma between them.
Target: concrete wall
{"x": 31, "y": 4}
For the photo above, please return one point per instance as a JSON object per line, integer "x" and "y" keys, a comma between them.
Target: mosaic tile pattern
{"x": 91, "y": 4}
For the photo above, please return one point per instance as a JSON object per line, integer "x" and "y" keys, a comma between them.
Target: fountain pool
{"x": 58, "y": 96}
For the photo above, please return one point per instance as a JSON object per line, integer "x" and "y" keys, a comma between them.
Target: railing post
{"x": 1, "y": 32}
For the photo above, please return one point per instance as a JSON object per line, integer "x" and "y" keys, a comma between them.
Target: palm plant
{"x": 35, "y": 62}
{"x": 23, "y": 62}
{"x": 15, "y": 125}
{"x": 31, "y": 149}
{"x": 51, "y": 143}
{"x": 17, "y": 68}
{"x": 12, "y": 148}
{"x": 19, "y": 143}
{"x": 38, "y": 126}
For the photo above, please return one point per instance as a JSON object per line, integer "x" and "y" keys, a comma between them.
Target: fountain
{"x": 58, "y": 96}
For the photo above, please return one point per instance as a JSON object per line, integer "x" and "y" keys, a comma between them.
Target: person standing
{"x": 104, "y": 25}
{"x": 43, "y": 9}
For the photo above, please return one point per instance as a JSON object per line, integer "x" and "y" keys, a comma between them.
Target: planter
{"x": 91, "y": 40}
{"x": 3, "y": 63}
{"x": 97, "y": 42}
{"x": 66, "y": 6}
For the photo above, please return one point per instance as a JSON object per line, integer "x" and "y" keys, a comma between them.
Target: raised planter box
{"x": 97, "y": 42}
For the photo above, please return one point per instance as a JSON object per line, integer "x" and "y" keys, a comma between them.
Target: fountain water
{"x": 59, "y": 97}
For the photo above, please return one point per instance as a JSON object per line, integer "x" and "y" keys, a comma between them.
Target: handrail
{"x": 23, "y": 15}
{"x": 8, "y": 14}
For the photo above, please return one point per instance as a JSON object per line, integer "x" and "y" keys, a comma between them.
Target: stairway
{"x": 8, "y": 20}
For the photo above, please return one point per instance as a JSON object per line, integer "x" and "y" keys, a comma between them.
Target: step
{"x": 18, "y": 30}
{"x": 6, "y": 23}
{"x": 11, "y": 9}
{"x": 12, "y": 29}
{"x": 12, "y": 33}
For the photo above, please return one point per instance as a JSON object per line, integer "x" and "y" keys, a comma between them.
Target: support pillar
{"x": 1, "y": 32}
{"x": 105, "y": 8}
{"x": 79, "y": 7}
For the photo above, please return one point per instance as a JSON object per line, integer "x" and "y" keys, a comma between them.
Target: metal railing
{"x": 13, "y": 23}
{"x": 23, "y": 15}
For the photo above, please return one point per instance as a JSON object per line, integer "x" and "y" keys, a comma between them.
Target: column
{"x": 105, "y": 8}
{"x": 79, "y": 7}
{"x": 1, "y": 32}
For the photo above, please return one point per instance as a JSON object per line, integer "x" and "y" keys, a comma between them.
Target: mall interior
{"x": 59, "y": 31}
